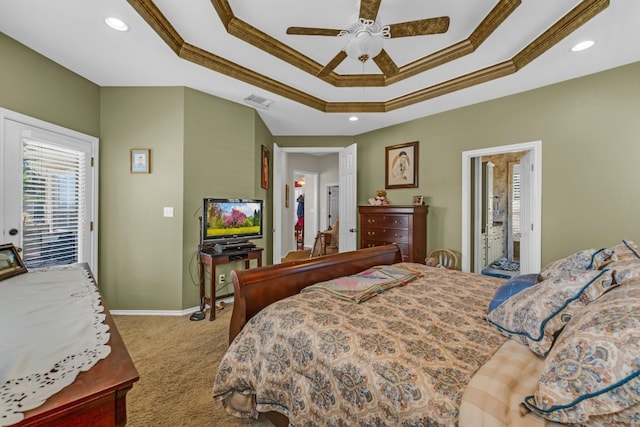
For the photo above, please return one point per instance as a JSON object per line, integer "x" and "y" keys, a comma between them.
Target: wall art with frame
{"x": 140, "y": 160}
{"x": 401, "y": 166}
{"x": 264, "y": 170}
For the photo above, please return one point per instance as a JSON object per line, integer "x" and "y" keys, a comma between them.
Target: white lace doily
{"x": 50, "y": 330}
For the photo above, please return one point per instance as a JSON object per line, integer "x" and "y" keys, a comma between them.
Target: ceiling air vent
{"x": 259, "y": 102}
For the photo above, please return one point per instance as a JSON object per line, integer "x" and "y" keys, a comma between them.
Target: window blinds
{"x": 515, "y": 197}
{"x": 53, "y": 206}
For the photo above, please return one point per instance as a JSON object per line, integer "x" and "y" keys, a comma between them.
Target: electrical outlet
{"x": 221, "y": 279}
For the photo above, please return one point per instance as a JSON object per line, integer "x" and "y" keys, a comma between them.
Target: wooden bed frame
{"x": 258, "y": 287}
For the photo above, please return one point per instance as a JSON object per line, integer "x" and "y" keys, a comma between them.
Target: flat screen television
{"x": 228, "y": 221}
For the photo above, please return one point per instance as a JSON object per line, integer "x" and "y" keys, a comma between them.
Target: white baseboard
{"x": 228, "y": 300}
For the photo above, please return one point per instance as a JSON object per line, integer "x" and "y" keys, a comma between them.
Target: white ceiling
{"x": 73, "y": 34}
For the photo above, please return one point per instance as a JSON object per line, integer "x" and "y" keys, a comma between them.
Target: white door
{"x": 347, "y": 201}
{"x": 278, "y": 198}
{"x": 48, "y": 192}
{"x": 530, "y": 215}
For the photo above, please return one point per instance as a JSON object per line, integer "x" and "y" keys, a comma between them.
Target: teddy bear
{"x": 380, "y": 199}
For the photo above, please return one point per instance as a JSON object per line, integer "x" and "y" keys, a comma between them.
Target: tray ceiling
{"x": 287, "y": 51}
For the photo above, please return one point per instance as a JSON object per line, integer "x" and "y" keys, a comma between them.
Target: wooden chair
{"x": 443, "y": 258}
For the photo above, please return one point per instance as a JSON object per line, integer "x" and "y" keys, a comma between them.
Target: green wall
{"x": 33, "y": 85}
{"x": 199, "y": 144}
{"x": 140, "y": 250}
{"x": 588, "y": 128}
{"x": 222, "y": 159}
{"x": 590, "y": 136}
{"x": 590, "y": 146}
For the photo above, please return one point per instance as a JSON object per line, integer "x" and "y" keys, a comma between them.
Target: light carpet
{"x": 177, "y": 361}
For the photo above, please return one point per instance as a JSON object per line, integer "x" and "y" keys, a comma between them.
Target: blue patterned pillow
{"x": 536, "y": 314}
{"x": 594, "y": 367}
{"x": 588, "y": 259}
{"x": 512, "y": 287}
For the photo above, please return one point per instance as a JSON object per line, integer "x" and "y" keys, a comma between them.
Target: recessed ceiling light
{"x": 116, "y": 24}
{"x": 353, "y": 118}
{"x": 582, "y": 45}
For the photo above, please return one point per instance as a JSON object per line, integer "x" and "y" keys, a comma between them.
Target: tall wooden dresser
{"x": 404, "y": 225}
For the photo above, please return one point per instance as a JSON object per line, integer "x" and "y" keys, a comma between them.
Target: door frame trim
{"x": 536, "y": 196}
{"x": 53, "y": 128}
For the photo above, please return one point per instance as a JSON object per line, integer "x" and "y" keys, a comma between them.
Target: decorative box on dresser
{"x": 400, "y": 224}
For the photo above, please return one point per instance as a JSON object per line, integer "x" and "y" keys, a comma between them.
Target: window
{"x": 53, "y": 203}
{"x": 515, "y": 202}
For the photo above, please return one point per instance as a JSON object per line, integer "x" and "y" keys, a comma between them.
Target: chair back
{"x": 443, "y": 258}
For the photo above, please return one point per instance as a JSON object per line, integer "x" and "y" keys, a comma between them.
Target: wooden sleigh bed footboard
{"x": 257, "y": 288}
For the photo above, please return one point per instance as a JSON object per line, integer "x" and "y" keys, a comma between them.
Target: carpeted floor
{"x": 177, "y": 361}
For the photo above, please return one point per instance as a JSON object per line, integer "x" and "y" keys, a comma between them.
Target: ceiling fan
{"x": 366, "y": 36}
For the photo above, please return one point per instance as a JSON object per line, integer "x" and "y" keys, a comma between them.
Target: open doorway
{"x": 345, "y": 165}
{"x": 498, "y": 252}
{"x": 479, "y": 213}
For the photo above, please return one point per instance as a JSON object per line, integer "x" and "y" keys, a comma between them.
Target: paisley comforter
{"x": 403, "y": 357}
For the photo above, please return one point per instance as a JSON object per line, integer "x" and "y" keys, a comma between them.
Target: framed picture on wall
{"x": 139, "y": 160}
{"x": 264, "y": 171}
{"x": 401, "y": 165}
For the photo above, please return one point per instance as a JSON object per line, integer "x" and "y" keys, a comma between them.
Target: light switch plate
{"x": 168, "y": 212}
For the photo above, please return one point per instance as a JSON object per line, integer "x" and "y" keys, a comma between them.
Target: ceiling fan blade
{"x": 420, "y": 28}
{"x": 332, "y": 64}
{"x": 386, "y": 64}
{"x": 305, "y": 31}
{"x": 369, "y": 9}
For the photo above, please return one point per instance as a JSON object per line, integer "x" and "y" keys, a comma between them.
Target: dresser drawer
{"x": 395, "y": 221}
{"x": 371, "y": 243}
{"x": 404, "y": 225}
{"x": 390, "y": 235}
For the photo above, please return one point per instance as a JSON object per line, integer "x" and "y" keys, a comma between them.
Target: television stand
{"x": 209, "y": 257}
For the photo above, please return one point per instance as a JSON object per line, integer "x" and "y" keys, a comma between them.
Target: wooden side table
{"x": 211, "y": 259}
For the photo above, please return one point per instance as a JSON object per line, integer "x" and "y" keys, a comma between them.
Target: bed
{"x": 420, "y": 351}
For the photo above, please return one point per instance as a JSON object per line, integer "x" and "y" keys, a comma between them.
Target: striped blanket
{"x": 366, "y": 284}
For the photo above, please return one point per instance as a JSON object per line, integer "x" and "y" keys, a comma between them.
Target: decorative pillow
{"x": 625, "y": 250}
{"x": 625, "y": 262}
{"x": 512, "y": 287}
{"x": 588, "y": 259}
{"x": 594, "y": 367}
{"x": 535, "y": 315}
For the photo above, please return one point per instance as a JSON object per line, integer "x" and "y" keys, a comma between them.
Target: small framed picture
{"x": 264, "y": 171}
{"x": 418, "y": 200}
{"x": 10, "y": 262}
{"x": 139, "y": 160}
{"x": 401, "y": 166}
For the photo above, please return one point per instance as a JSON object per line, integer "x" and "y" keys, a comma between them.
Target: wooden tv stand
{"x": 212, "y": 259}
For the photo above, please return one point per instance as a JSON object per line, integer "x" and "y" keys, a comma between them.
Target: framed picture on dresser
{"x": 10, "y": 262}
{"x": 401, "y": 165}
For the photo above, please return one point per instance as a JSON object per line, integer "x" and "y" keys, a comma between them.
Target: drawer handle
{"x": 371, "y": 221}
{"x": 371, "y": 233}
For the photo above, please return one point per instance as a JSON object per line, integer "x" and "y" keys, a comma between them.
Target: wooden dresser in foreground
{"x": 97, "y": 398}
{"x": 403, "y": 225}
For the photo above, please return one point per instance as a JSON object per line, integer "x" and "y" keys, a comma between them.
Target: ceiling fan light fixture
{"x": 363, "y": 46}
